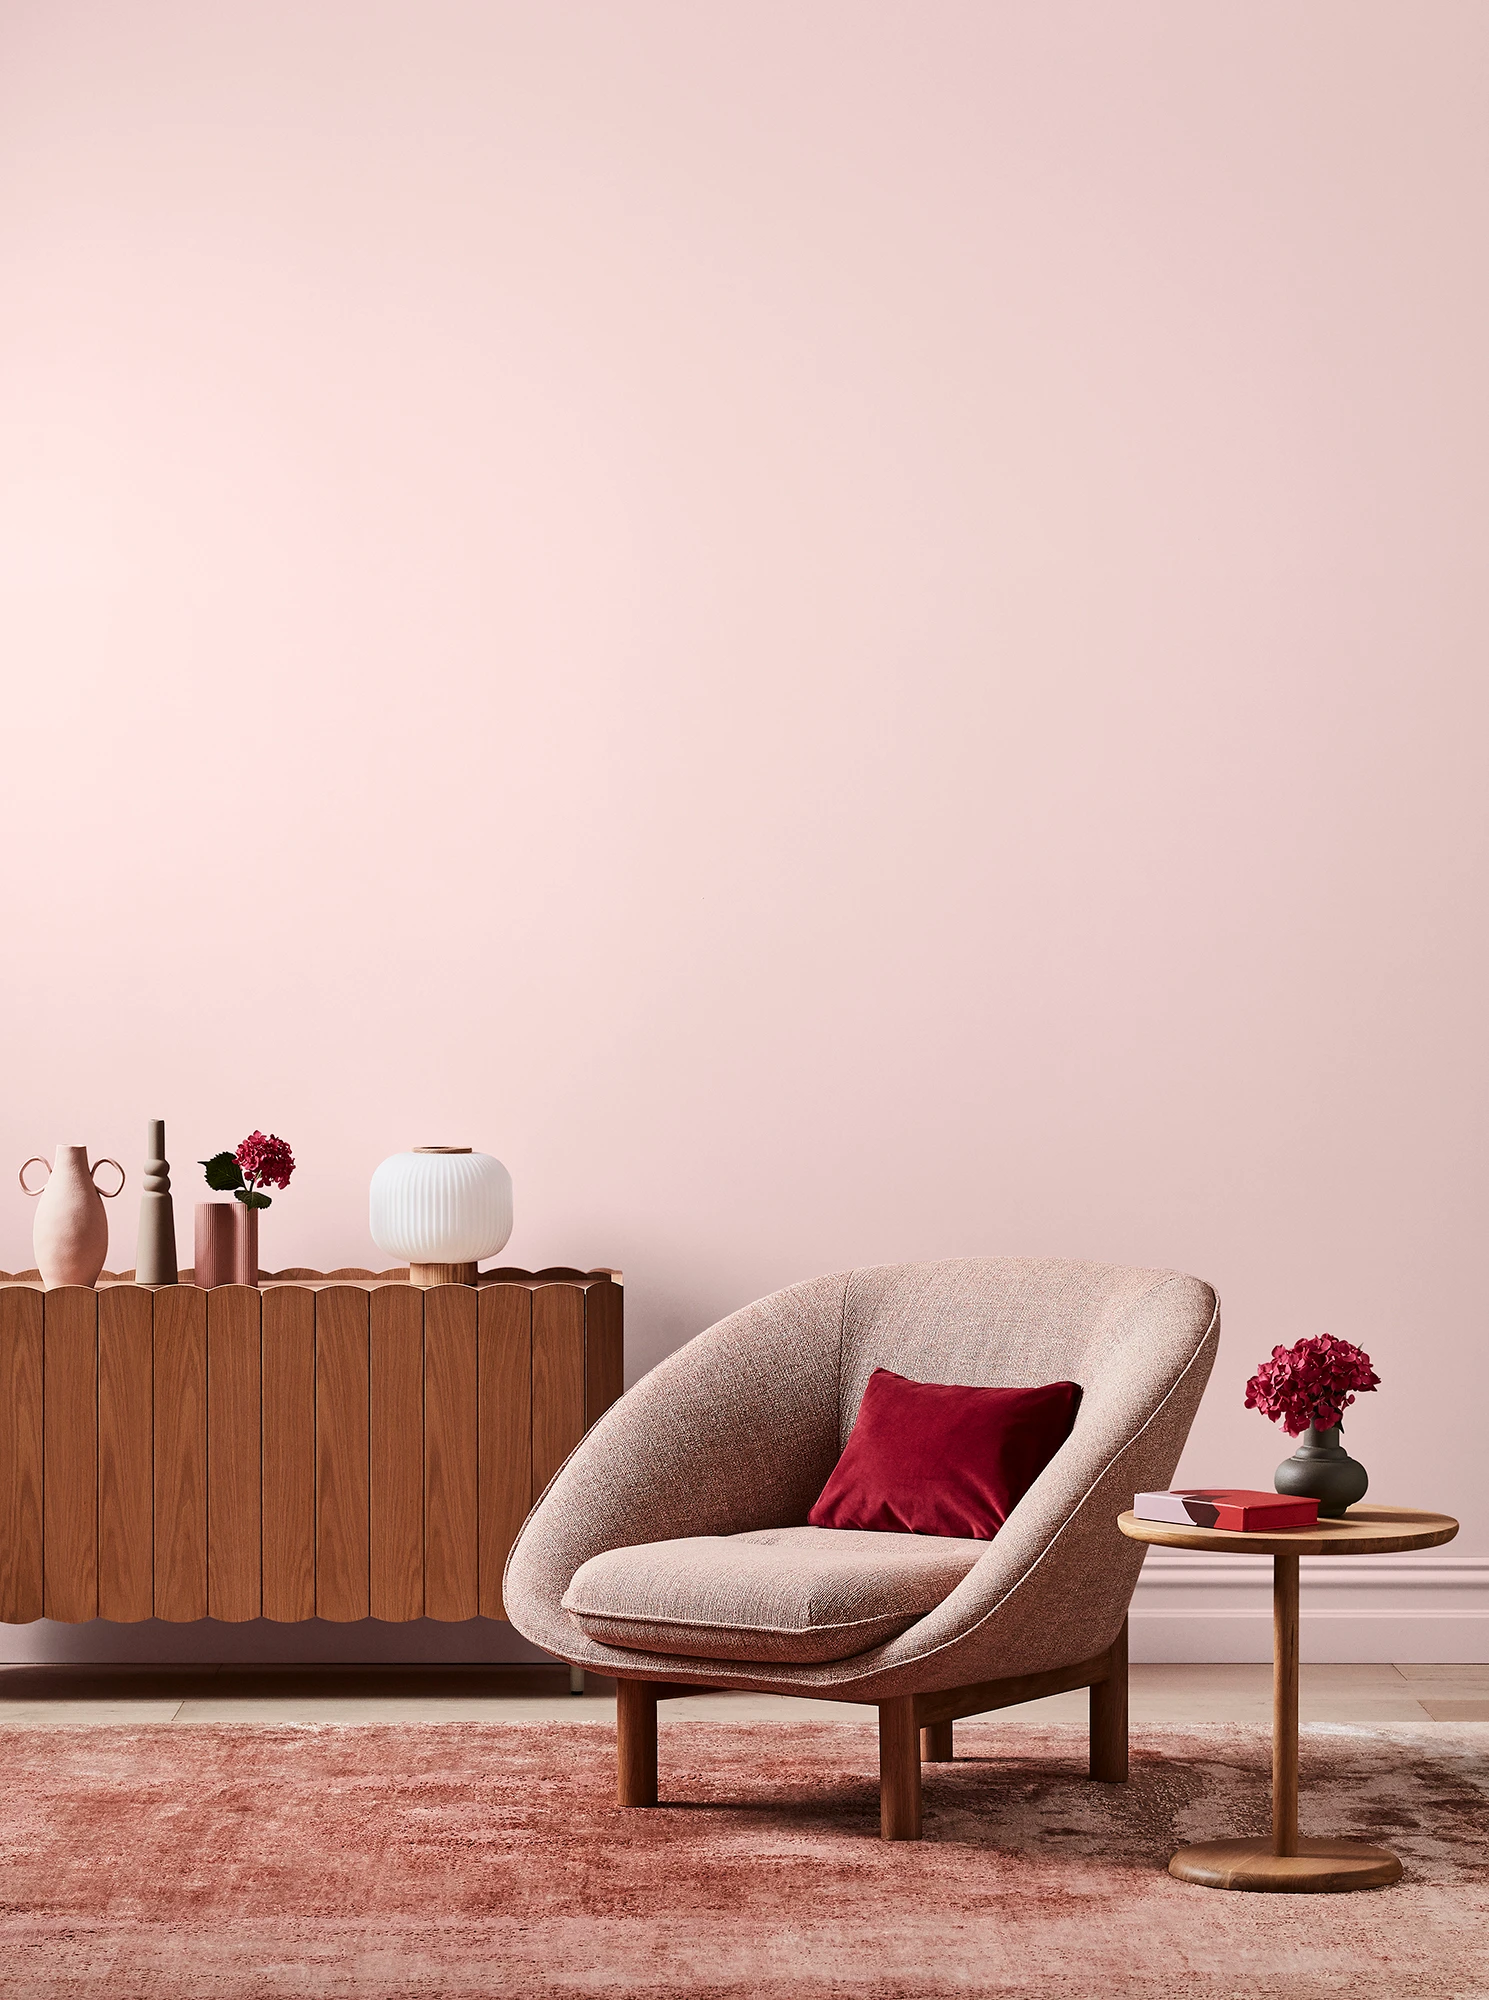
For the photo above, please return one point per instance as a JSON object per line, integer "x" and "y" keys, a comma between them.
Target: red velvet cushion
{"x": 933, "y": 1458}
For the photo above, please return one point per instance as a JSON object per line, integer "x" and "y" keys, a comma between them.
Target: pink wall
{"x": 847, "y": 631}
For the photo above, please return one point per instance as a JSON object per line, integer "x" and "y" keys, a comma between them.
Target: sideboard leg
{"x": 636, "y": 1743}
{"x": 576, "y": 1680}
{"x": 1109, "y": 1717}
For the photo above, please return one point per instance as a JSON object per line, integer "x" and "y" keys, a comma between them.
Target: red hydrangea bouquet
{"x": 1307, "y": 1388}
{"x": 1312, "y": 1384}
{"x": 261, "y": 1161}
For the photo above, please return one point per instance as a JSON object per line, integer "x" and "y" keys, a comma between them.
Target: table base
{"x": 1319, "y": 1867}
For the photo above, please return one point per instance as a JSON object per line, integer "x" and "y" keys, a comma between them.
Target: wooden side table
{"x": 1289, "y": 1861}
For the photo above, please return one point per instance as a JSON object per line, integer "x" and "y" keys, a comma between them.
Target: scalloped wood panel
{"x": 327, "y": 1444}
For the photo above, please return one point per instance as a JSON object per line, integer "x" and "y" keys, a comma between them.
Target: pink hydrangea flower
{"x": 266, "y": 1161}
{"x": 1313, "y": 1382}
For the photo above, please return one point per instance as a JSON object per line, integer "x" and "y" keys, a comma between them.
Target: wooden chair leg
{"x": 899, "y": 1769}
{"x": 936, "y": 1743}
{"x": 636, "y": 1743}
{"x": 1109, "y": 1718}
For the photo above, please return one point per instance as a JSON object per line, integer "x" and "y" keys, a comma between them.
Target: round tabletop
{"x": 1366, "y": 1530}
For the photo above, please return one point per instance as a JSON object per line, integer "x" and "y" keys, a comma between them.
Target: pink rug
{"x": 456, "y": 1860}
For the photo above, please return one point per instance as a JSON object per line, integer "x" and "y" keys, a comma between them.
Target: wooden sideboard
{"x": 324, "y": 1445}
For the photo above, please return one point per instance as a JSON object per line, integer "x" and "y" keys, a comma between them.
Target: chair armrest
{"x": 1056, "y": 1583}
{"x": 736, "y": 1430}
{"x": 1057, "y": 1592}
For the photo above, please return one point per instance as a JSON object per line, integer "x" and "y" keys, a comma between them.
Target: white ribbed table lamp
{"x": 442, "y": 1208}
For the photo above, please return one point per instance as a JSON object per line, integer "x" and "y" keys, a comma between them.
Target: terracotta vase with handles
{"x": 70, "y": 1236}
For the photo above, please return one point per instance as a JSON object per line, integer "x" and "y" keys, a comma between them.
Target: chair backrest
{"x": 1013, "y": 1322}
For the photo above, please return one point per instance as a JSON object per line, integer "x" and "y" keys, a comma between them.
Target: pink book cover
{"x": 1232, "y": 1507}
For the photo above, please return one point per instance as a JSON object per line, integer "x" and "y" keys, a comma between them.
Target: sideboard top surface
{"x": 558, "y": 1274}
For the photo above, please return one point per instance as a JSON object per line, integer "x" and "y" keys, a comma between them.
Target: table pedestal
{"x": 1286, "y": 1861}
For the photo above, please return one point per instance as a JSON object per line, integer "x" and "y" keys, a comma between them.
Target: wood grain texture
{"x": 234, "y": 1455}
{"x": 245, "y": 1452}
{"x": 1108, "y": 1718}
{"x": 342, "y": 1528}
{"x": 937, "y": 1743}
{"x": 899, "y": 1769}
{"x": 1366, "y": 1530}
{"x": 451, "y": 1555}
{"x": 426, "y": 1275}
{"x": 1288, "y": 1863}
{"x": 950, "y": 1704}
{"x": 505, "y": 1437}
{"x": 126, "y": 1454}
{"x": 1285, "y": 1704}
{"x": 180, "y": 1453}
{"x": 508, "y": 1274}
{"x": 21, "y": 1589}
{"x": 1325, "y": 1867}
{"x": 604, "y": 1350}
{"x": 396, "y": 1338}
{"x": 70, "y": 1453}
{"x": 635, "y": 1743}
{"x": 558, "y": 1378}
{"x": 288, "y": 1389}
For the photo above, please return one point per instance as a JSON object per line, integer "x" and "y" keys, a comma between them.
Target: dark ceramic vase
{"x": 1322, "y": 1470}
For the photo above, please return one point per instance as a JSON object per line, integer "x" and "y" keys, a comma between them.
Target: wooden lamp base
{"x": 1324, "y": 1866}
{"x": 426, "y": 1275}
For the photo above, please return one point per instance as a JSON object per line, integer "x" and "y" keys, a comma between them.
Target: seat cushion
{"x": 771, "y": 1594}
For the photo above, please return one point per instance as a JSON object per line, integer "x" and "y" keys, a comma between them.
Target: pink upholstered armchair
{"x": 671, "y": 1550}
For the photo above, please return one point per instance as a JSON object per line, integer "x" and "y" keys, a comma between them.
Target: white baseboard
{"x": 1418, "y": 1608}
{"x": 1422, "y": 1608}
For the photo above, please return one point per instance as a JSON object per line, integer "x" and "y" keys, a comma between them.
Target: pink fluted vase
{"x": 214, "y": 1244}
{"x": 245, "y": 1245}
{"x": 227, "y": 1244}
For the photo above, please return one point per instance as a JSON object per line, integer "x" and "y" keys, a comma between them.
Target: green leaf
{"x": 252, "y": 1200}
{"x": 223, "y": 1172}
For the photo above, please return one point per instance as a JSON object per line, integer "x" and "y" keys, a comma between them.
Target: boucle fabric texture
{"x": 776, "y": 1594}
{"x": 739, "y": 1429}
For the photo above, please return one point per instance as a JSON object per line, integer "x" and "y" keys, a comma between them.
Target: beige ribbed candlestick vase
{"x": 155, "y": 1248}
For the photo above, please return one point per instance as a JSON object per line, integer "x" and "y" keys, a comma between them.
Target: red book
{"x": 1226, "y": 1507}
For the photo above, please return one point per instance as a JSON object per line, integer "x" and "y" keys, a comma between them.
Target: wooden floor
{"x": 41, "y": 1697}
